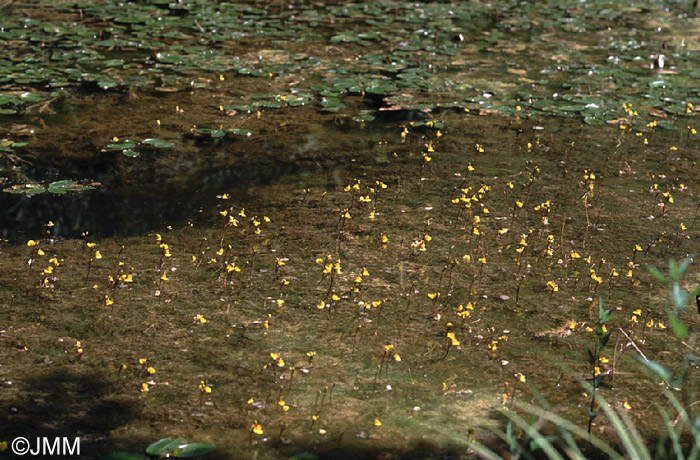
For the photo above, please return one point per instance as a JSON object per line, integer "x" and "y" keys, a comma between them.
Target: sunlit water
{"x": 352, "y": 289}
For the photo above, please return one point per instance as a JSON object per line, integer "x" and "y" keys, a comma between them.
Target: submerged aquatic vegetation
{"x": 331, "y": 232}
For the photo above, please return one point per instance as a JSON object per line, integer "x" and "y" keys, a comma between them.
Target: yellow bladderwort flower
{"x": 256, "y": 428}
{"x": 453, "y": 340}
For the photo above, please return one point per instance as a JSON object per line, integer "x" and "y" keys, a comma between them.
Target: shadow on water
{"x": 151, "y": 193}
{"x": 64, "y": 403}
{"x": 168, "y": 186}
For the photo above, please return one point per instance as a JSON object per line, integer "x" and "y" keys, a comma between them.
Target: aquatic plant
{"x": 166, "y": 447}
{"x": 548, "y": 434}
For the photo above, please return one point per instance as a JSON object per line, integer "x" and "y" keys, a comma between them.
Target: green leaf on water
{"x": 194, "y": 449}
{"x": 164, "y": 446}
{"x": 239, "y": 132}
{"x": 158, "y": 143}
{"x": 62, "y": 186}
{"x": 26, "y": 189}
{"x": 123, "y": 145}
{"x": 114, "y": 63}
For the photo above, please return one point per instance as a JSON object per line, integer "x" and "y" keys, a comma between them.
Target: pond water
{"x": 354, "y": 230}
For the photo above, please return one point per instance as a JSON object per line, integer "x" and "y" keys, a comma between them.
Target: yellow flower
{"x": 151, "y": 370}
{"x": 200, "y": 318}
{"x": 143, "y": 360}
{"x": 256, "y": 428}
{"x": 164, "y": 276}
{"x": 31, "y": 243}
{"x": 144, "y": 388}
{"x": 377, "y": 422}
{"x": 453, "y": 339}
{"x": 108, "y": 301}
{"x": 98, "y": 255}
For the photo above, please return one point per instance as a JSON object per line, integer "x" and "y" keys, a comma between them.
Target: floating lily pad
{"x": 158, "y": 143}
{"x": 178, "y": 448}
{"x": 26, "y": 189}
{"x": 63, "y": 186}
{"x": 239, "y": 132}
